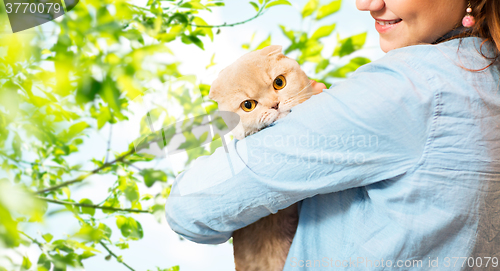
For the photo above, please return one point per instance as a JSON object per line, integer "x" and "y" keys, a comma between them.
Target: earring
{"x": 468, "y": 20}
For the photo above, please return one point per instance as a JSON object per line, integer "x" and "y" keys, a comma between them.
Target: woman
{"x": 397, "y": 166}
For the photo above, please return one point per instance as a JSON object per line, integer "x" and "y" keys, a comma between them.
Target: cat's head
{"x": 261, "y": 87}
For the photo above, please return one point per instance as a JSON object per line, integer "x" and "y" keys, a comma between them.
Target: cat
{"x": 261, "y": 87}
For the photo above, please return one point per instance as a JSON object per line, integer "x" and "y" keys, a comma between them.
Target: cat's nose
{"x": 276, "y": 106}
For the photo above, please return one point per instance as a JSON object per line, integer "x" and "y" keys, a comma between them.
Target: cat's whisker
{"x": 310, "y": 83}
{"x": 262, "y": 118}
{"x": 304, "y": 95}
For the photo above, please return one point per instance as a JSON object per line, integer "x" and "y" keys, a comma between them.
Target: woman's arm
{"x": 371, "y": 127}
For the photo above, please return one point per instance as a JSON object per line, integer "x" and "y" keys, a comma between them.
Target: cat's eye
{"x": 248, "y": 105}
{"x": 279, "y": 82}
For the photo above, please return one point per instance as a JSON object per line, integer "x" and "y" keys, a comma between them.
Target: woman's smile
{"x": 403, "y": 23}
{"x": 384, "y": 26}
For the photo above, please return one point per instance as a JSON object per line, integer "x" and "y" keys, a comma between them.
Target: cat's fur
{"x": 263, "y": 245}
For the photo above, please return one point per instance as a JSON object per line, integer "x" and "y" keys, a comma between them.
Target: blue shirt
{"x": 397, "y": 166}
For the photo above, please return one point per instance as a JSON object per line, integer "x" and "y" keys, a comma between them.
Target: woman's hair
{"x": 487, "y": 16}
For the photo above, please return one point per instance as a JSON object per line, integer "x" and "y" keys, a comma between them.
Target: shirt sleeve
{"x": 370, "y": 127}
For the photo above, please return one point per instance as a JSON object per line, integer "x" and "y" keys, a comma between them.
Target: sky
{"x": 161, "y": 246}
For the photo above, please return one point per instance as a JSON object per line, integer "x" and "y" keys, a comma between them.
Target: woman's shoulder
{"x": 450, "y": 56}
{"x": 430, "y": 66}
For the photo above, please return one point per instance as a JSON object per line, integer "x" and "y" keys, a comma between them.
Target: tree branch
{"x": 114, "y": 255}
{"x": 132, "y": 165}
{"x": 84, "y": 176}
{"x": 40, "y": 245}
{"x": 105, "y": 165}
{"x": 259, "y": 13}
{"x": 92, "y": 206}
{"x": 19, "y": 162}
{"x": 233, "y": 24}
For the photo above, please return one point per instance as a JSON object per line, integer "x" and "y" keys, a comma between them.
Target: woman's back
{"x": 444, "y": 206}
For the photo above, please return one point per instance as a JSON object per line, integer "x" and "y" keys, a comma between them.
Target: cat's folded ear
{"x": 271, "y": 50}
{"x": 212, "y": 93}
{"x": 213, "y": 88}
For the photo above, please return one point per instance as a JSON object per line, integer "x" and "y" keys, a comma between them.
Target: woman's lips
{"x": 384, "y": 26}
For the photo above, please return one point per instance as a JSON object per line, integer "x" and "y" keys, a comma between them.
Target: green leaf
{"x": 265, "y": 43}
{"x": 111, "y": 95}
{"x": 207, "y": 30}
{"x": 349, "y": 45}
{"x": 129, "y": 227}
{"x": 122, "y": 245}
{"x": 309, "y": 8}
{"x": 85, "y": 255}
{"x": 47, "y": 237}
{"x": 151, "y": 176}
{"x": 16, "y": 145}
{"x": 76, "y": 129}
{"x": 103, "y": 117}
{"x": 204, "y": 88}
{"x": 72, "y": 208}
{"x": 322, "y": 65}
{"x": 106, "y": 231}
{"x": 111, "y": 202}
{"x": 67, "y": 191}
{"x": 217, "y": 4}
{"x": 72, "y": 245}
{"x": 255, "y": 6}
{"x": 214, "y": 145}
{"x": 146, "y": 197}
{"x": 26, "y": 263}
{"x": 179, "y": 17}
{"x": 278, "y": 2}
{"x": 288, "y": 33}
{"x": 323, "y": 31}
{"x": 43, "y": 262}
{"x": 328, "y": 9}
{"x": 87, "y": 90}
{"x": 195, "y": 40}
{"x": 129, "y": 188}
{"x": 193, "y": 5}
{"x": 353, "y": 65}
{"x": 89, "y": 233}
{"x": 87, "y": 210}
{"x": 212, "y": 63}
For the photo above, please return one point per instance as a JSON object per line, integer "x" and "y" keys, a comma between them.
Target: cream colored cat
{"x": 262, "y": 87}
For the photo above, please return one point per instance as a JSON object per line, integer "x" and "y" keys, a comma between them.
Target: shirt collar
{"x": 455, "y": 33}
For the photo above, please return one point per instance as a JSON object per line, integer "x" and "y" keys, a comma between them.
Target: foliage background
{"x": 68, "y": 113}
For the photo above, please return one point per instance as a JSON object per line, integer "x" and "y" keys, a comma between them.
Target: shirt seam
{"x": 432, "y": 133}
{"x": 437, "y": 110}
